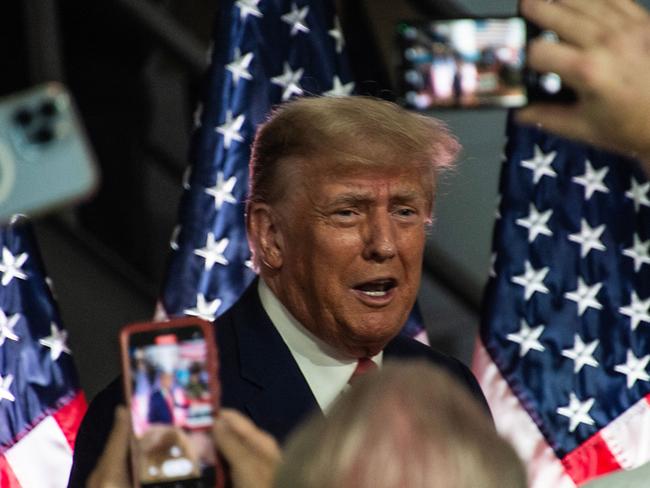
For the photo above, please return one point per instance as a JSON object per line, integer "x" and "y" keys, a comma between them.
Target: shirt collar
{"x": 326, "y": 371}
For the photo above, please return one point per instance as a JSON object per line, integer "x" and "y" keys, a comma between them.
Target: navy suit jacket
{"x": 159, "y": 410}
{"x": 259, "y": 377}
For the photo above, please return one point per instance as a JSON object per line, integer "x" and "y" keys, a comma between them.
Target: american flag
{"x": 264, "y": 53}
{"x": 565, "y": 336}
{"x": 41, "y": 404}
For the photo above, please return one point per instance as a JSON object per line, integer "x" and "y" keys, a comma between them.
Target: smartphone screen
{"x": 463, "y": 63}
{"x": 172, "y": 406}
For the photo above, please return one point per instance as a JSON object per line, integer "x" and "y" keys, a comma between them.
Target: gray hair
{"x": 409, "y": 425}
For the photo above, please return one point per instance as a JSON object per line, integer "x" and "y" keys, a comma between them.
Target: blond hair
{"x": 409, "y": 425}
{"x": 351, "y": 132}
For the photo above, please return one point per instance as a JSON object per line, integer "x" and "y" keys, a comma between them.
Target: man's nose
{"x": 380, "y": 238}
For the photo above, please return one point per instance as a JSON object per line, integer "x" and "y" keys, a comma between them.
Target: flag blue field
{"x": 265, "y": 52}
{"x": 564, "y": 346}
{"x": 41, "y": 404}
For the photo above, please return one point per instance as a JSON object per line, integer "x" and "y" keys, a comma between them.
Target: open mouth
{"x": 377, "y": 288}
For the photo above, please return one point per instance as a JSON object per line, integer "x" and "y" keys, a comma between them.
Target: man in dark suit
{"x": 341, "y": 194}
{"x": 161, "y": 401}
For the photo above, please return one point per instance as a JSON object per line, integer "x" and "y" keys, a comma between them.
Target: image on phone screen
{"x": 463, "y": 63}
{"x": 171, "y": 405}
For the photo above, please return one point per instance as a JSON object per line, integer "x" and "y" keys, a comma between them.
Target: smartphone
{"x": 45, "y": 158}
{"x": 170, "y": 372}
{"x": 470, "y": 63}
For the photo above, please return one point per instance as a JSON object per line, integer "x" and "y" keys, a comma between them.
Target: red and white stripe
{"x": 623, "y": 444}
{"x": 42, "y": 458}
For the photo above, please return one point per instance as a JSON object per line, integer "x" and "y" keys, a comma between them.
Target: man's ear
{"x": 265, "y": 235}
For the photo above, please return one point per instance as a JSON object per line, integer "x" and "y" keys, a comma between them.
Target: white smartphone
{"x": 45, "y": 158}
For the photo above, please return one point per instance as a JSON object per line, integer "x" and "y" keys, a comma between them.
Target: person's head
{"x": 166, "y": 380}
{"x": 341, "y": 191}
{"x": 408, "y": 425}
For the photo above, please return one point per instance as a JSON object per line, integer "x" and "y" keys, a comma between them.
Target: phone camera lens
{"x": 23, "y": 117}
{"x": 48, "y": 108}
{"x": 551, "y": 82}
{"x": 43, "y": 135}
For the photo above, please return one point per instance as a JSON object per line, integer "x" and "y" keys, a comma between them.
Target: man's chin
{"x": 371, "y": 344}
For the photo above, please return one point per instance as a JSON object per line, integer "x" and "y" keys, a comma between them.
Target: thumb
{"x": 112, "y": 469}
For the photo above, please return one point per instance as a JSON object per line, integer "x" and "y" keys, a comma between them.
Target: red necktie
{"x": 364, "y": 365}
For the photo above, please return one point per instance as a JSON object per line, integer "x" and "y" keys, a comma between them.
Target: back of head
{"x": 348, "y": 133}
{"x": 408, "y": 425}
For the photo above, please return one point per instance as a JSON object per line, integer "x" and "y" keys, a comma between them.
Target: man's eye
{"x": 406, "y": 212}
{"x": 345, "y": 213}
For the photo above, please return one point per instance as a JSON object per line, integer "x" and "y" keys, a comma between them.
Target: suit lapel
{"x": 278, "y": 397}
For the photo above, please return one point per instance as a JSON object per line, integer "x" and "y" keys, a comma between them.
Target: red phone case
{"x": 211, "y": 366}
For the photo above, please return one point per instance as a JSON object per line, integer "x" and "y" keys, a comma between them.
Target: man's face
{"x": 352, "y": 254}
{"x": 166, "y": 380}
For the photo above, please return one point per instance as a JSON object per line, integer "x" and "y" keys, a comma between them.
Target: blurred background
{"x": 135, "y": 68}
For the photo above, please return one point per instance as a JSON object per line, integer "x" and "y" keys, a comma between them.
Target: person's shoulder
{"x": 405, "y": 348}
{"x": 402, "y": 347}
{"x": 94, "y": 431}
{"x": 247, "y": 308}
{"x": 102, "y": 407}
{"x": 98, "y": 419}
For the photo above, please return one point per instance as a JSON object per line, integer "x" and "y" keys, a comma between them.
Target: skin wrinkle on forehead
{"x": 310, "y": 176}
{"x": 356, "y": 197}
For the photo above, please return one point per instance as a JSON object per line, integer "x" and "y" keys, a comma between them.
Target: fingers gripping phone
{"x": 472, "y": 62}
{"x": 172, "y": 392}
{"x": 45, "y": 158}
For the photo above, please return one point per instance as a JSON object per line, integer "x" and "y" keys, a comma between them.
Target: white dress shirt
{"x": 326, "y": 371}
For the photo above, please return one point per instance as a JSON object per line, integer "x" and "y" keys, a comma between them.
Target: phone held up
{"x": 472, "y": 63}
{"x": 172, "y": 391}
{"x": 45, "y": 158}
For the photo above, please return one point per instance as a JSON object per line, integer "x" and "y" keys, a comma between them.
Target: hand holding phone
{"x": 172, "y": 392}
{"x": 603, "y": 54}
{"x": 471, "y": 63}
